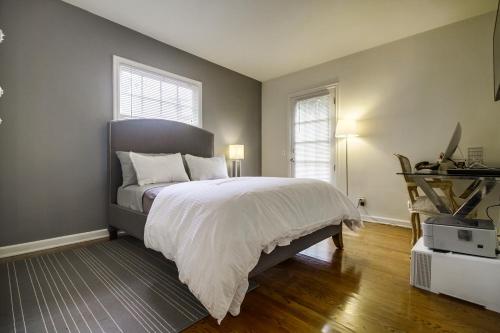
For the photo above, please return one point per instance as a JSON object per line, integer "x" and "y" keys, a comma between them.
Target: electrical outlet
{"x": 361, "y": 202}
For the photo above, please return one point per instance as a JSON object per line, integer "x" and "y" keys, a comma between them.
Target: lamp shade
{"x": 346, "y": 128}
{"x": 236, "y": 152}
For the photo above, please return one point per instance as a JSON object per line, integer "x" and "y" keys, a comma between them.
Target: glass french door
{"x": 312, "y": 151}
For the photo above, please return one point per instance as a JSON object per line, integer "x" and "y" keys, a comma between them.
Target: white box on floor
{"x": 471, "y": 278}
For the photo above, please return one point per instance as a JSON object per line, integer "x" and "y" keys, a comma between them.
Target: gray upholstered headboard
{"x": 153, "y": 136}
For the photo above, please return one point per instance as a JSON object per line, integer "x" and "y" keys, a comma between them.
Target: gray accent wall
{"x": 56, "y": 70}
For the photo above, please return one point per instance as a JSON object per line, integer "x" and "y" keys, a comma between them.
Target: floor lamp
{"x": 346, "y": 128}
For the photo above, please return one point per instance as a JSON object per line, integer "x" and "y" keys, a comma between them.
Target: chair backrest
{"x": 405, "y": 165}
{"x": 406, "y": 168}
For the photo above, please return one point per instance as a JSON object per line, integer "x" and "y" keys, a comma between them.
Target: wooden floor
{"x": 364, "y": 288}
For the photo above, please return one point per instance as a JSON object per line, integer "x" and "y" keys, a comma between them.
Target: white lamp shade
{"x": 236, "y": 152}
{"x": 346, "y": 128}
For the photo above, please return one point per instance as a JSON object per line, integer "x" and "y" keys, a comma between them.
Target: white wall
{"x": 407, "y": 96}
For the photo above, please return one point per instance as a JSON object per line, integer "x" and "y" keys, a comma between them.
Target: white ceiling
{"x": 265, "y": 39}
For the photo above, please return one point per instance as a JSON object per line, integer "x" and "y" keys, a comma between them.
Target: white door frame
{"x": 333, "y": 90}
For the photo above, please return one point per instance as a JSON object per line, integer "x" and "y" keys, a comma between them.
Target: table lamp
{"x": 236, "y": 154}
{"x": 346, "y": 128}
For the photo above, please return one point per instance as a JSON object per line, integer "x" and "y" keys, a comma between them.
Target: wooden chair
{"x": 420, "y": 204}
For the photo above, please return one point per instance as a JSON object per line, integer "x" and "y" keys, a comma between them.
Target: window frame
{"x": 117, "y": 61}
{"x": 332, "y": 90}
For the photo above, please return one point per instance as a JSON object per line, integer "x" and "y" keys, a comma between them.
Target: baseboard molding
{"x": 17, "y": 249}
{"x": 386, "y": 220}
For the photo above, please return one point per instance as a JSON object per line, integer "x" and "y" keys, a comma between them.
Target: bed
{"x": 163, "y": 136}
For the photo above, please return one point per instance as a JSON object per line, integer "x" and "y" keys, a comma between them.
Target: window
{"x": 146, "y": 92}
{"x": 312, "y": 137}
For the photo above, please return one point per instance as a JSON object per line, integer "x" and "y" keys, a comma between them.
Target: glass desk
{"x": 481, "y": 185}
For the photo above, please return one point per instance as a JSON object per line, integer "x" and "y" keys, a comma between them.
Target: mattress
{"x": 139, "y": 197}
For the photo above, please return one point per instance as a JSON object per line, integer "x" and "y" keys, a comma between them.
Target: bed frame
{"x": 164, "y": 136}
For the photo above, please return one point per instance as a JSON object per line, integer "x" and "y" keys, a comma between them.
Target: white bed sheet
{"x": 131, "y": 196}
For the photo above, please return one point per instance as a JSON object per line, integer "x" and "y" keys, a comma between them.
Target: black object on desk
{"x": 479, "y": 172}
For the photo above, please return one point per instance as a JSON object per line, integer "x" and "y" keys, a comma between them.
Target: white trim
{"x": 312, "y": 91}
{"x": 17, "y": 249}
{"x": 117, "y": 60}
{"x": 386, "y": 220}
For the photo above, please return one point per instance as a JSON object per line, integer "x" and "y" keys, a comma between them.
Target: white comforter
{"x": 215, "y": 230}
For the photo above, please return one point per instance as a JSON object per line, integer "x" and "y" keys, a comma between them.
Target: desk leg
{"x": 483, "y": 188}
{"x": 432, "y": 195}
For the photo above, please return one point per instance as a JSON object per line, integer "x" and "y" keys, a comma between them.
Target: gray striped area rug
{"x": 117, "y": 286}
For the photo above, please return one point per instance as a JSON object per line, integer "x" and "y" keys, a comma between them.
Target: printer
{"x": 462, "y": 235}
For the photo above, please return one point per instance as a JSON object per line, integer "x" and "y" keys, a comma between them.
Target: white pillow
{"x": 151, "y": 169}
{"x": 206, "y": 168}
{"x": 128, "y": 172}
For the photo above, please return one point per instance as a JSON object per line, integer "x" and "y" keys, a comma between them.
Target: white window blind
{"x": 145, "y": 92}
{"x": 312, "y": 138}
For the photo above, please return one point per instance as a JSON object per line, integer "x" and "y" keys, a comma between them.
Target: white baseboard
{"x": 386, "y": 220}
{"x": 17, "y": 249}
